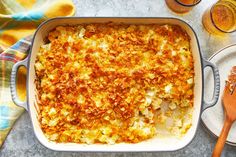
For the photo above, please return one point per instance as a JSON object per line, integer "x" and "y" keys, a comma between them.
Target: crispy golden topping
{"x": 108, "y": 83}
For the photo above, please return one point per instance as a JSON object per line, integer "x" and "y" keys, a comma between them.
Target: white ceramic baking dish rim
{"x": 145, "y": 146}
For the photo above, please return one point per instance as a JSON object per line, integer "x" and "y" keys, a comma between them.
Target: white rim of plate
{"x": 202, "y": 122}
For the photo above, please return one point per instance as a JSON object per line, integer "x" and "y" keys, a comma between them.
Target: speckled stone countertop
{"x": 21, "y": 141}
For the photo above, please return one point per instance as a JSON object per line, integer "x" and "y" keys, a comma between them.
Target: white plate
{"x": 213, "y": 117}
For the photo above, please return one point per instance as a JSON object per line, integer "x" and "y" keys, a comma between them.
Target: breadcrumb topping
{"x": 112, "y": 83}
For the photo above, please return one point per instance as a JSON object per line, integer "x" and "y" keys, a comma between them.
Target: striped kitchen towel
{"x": 18, "y": 20}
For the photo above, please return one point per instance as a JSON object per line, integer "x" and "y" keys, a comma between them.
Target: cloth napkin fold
{"x": 18, "y": 20}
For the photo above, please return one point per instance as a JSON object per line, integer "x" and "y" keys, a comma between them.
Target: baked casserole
{"x": 113, "y": 83}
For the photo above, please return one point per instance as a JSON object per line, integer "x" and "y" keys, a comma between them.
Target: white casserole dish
{"x": 154, "y": 144}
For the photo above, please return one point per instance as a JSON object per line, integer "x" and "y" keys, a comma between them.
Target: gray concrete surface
{"x": 21, "y": 141}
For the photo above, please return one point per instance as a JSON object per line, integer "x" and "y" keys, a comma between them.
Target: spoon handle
{"x": 222, "y": 138}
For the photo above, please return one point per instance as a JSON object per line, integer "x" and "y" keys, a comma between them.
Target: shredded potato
{"x": 112, "y": 83}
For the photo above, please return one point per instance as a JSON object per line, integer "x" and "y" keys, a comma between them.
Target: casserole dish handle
{"x": 14, "y": 95}
{"x": 216, "y": 92}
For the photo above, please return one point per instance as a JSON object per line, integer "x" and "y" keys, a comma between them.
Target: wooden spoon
{"x": 229, "y": 103}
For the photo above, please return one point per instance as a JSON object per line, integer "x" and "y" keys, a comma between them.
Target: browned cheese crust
{"x": 110, "y": 83}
